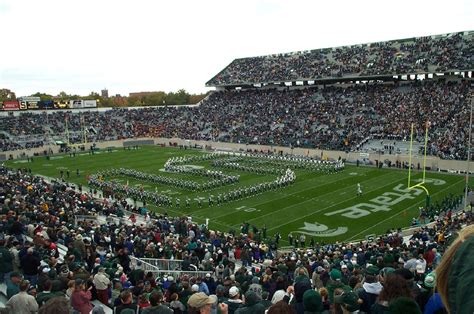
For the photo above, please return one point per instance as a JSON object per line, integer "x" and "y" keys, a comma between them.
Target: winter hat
{"x": 195, "y": 288}
{"x": 404, "y": 305}
{"x": 335, "y": 274}
{"x": 251, "y": 298}
{"x": 300, "y": 288}
{"x": 312, "y": 301}
{"x": 430, "y": 280}
{"x": 349, "y": 300}
{"x": 98, "y": 310}
{"x": 372, "y": 270}
{"x": 387, "y": 271}
{"x": 220, "y": 288}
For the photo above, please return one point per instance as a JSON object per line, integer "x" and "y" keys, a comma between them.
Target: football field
{"x": 323, "y": 206}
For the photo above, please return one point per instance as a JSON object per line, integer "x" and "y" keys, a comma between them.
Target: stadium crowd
{"x": 331, "y": 118}
{"x": 386, "y": 275}
{"x": 418, "y": 55}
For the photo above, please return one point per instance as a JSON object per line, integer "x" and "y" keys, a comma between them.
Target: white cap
{"x": 419, "y": 269}
{"x": 233, "y": 291}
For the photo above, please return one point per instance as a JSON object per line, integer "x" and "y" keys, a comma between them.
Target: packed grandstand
{"x": 346, "y": 95}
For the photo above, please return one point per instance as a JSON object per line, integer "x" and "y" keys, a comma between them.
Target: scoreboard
{"x": 35, "y": 103}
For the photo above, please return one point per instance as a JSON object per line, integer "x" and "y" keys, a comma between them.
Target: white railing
{"x": 164, "y": 264}
{"x": 89, "y": 218}
{"x": 151, "y": 265}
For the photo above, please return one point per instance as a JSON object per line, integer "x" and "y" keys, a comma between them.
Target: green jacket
{"x": 333, "y": 286}
{"x": 12, "y": 289}
{"x": 44, "y": 297}
{"x": 233, "y": 306}
{"x": 252, "y": 305}
{"x": 6, "y": 260}
{"x": 251, "y": 309}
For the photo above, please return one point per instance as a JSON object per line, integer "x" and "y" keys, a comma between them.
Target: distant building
{"x": 104, "y": 93}
{"x": 142, "y": 94}
{"x": 139, "y": 94}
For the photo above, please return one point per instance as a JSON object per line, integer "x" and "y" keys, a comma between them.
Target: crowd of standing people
{"x": 241, "y": 273}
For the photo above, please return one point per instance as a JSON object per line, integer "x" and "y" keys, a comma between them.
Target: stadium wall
{"x": 434, "y": 163}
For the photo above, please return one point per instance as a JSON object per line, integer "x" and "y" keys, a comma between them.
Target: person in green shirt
{"x": 46, "y": 294}
{"x": 13, "y": 286}
{"x": 6, "y": 262}
{"x": 335, "y": 283}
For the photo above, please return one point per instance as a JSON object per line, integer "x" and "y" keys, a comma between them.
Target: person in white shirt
{"x": 102, "y": 282}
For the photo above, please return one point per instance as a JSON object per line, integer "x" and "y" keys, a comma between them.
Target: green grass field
{"x": 323, "y": 206}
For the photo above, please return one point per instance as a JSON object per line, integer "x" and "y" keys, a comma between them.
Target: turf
{"x": 300, "y": 207}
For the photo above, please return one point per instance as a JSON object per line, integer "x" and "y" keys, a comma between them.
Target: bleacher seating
{"x": 443, "y": 53}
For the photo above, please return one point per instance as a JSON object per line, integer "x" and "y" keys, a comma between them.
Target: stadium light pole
{"x": 468, "y": 156}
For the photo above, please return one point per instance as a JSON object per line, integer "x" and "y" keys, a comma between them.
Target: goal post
{"x": 421, "y": 184}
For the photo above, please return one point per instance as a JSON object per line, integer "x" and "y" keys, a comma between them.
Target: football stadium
{"x": 333, "y": 180}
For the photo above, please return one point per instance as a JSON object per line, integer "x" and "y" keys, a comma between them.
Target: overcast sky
{"x": 128, "y": 46}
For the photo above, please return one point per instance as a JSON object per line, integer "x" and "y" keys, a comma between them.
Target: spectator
{"x": 13, "y": 286}
{"x": 176, "y": 305}
{"x": 312, "y": 302}
{"x": 251, "y": 305}
{"x": 30, "y": 263}
{"x": 281, "y": 307}
{"x": 348, "y": 301}
{"x": 56, "y": 305}
{"x": 6, "y": 262}
{"x": 200, "y": 303}
{"x": 127, "y": 304}
{"x": 46, "y": 295}
{"x": 395, "y": 286}
{"x": 455, "y": 274}
{"x": 22, "y": 302}
{"x": 102, "y": 284}
{"x": 81, "y": 297}
{"x": 370, "y": 289}
{"x": 234, "y": 301}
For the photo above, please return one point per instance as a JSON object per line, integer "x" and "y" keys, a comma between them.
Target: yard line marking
{"x": 286, "y": 194}
{"x": 311, "y": 199}
{"x": 396, "y": 214}
{"x": 291, "y": 194}
{"x": 318, "y": 211}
